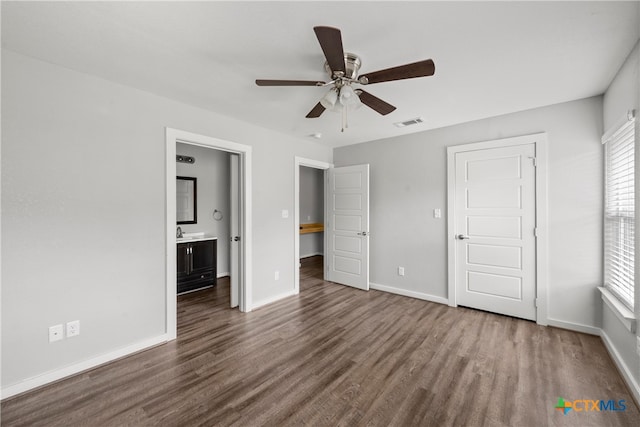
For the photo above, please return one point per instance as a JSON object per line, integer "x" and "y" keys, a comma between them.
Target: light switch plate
{"x": 437, "y": 213}
{"x": 285, "y": 213}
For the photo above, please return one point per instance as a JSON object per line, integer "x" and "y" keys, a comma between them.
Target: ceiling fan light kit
{"x": 343, "y": 71}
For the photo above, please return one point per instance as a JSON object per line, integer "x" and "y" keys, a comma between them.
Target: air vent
{"x": 185, "y": 159}
{"x": 415, "y": 121}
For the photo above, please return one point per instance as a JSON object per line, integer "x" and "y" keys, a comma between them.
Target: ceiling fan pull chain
{"x": 344, "y": 118}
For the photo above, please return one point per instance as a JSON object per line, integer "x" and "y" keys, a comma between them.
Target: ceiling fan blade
{"x": 375, "y": 103}
{"x": 316, "y": 111}
{"x": 289, "y": 83}
{"x": 409, "y": 71}
{"x": 331, "y": 43}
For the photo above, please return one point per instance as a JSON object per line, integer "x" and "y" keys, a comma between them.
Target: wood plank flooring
{"x": 336, "y": 356}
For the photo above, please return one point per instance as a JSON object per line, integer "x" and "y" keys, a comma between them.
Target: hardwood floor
{"x": 339, "y": 356}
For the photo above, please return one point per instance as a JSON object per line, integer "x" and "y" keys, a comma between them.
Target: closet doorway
{"x": 310, "y": 212}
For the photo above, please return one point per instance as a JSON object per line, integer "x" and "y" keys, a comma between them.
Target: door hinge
{"x": 535, "y": 302}
{"x": 535, "y": 231}
{"x": 535, "y": 161}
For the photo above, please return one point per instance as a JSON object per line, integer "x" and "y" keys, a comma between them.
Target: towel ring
{"x": 217, "y": 215}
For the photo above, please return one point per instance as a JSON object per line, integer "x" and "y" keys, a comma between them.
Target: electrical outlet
{"x": 308, "y": 217}
{"x": 56, "y": 333}
{"x": 73, "y": 328}
{"x": 285, "y": 213}
{"x": 277, "y": 275}
{"x": 437, "y": 213}
{"x": 400, "y": 271}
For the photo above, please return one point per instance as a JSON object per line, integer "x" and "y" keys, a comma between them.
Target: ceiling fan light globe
{"x": 330, "y": 99}
{"x": 357, "y": 104}
{"x": 348, "y": 98}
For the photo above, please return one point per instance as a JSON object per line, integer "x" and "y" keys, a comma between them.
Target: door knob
{"x": 462, "y": 237}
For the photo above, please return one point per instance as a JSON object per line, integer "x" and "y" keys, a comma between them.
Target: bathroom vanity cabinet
{"x": 196, "y": 262}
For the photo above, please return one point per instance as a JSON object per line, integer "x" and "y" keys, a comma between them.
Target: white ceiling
{"x": 491, "y": 58}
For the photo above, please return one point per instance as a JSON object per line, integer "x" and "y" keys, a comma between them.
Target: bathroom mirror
{"x": 186, "y": 200}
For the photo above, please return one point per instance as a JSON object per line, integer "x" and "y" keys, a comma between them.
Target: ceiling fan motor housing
{"x": 352, "y": 64}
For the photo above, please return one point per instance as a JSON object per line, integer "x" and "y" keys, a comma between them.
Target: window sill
{"x": 622, "y": 312}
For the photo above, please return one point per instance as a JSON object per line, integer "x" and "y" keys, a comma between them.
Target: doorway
{"x": 311, "y": 212}
{"x": 242, "y": 212}
{"x": 346, "y": 210}
{"x": 497, "y": 226}
{"x": 206, "y": 236}
{"x": 301, "y": 163}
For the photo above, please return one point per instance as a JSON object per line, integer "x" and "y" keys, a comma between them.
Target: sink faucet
{"x": 179, "y": 233}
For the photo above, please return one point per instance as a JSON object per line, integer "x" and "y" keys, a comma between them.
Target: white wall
{"x": 83, "y": 201}
{"x": 211, "y": 168}
{"x": 408, "y": 180}
{"x": 622, "y": 95}
{"x": 311, "y": 209}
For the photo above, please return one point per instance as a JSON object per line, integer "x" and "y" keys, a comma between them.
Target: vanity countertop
{"x": 195, "y": 237}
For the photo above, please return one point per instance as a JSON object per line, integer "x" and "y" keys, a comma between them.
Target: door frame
{"x": 173, "y": 136}
{"x": 235, "y": 212}
{"x": 316, "y": 164}
{"x": 540, "y": 142}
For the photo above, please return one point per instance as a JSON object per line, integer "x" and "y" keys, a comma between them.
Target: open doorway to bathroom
{"x": 204, "y": 240}
{"x": 222, "y": 171}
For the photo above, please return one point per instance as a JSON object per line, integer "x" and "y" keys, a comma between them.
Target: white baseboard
{"x": 273, "y": 299}
{"x": 406, "y": 293}
{"x": 225, "y": 274}
{"x": 310, "y": 255}
{"x": 577, "y": 327}
{"x": 627, "y": 373}
{"x": 76, "y": 368}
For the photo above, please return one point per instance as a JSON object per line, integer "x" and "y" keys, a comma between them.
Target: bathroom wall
{"x": 211, "y": 168}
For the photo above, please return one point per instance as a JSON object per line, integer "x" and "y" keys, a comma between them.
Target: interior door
{"x": 347, "y": 226}
{"x": 234, "y": 232}
{"x": 495, "y": 207}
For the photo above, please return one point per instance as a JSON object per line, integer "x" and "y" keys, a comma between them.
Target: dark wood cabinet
{"x": 196, "y": 265}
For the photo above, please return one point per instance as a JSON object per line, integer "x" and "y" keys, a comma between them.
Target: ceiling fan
{"x": 342, "y": 68}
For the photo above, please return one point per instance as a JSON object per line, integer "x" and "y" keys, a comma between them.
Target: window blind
{"x": 619, "y": 214}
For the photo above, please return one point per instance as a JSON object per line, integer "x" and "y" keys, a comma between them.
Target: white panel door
{"x": 347, "y": 226}
{"x": 495, "y": 207}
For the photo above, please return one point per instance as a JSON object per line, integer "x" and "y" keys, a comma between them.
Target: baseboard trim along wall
{"x": 577, "y": 327}
{"x": 58, "y": 374}
{"x": 270, "y": 300}
{"x": 310, "y": 255}
{"x": 406, "y": 293}
{"x": 626, "y": 373}
{"x": 225, "y": 274}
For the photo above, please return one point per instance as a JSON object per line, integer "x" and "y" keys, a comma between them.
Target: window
{"x": 619, "y": 213}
